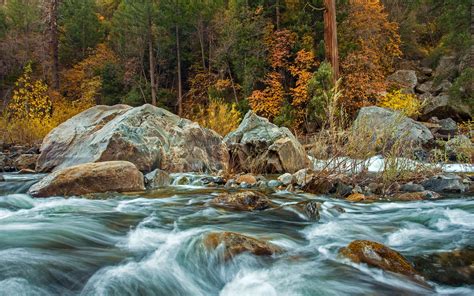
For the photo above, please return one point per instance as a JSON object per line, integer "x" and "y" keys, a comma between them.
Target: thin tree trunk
{"x": 201, "y": 41}
{"x": 151, "y": 57}
{"x": 180, "y": 87}
{"x": 54, "y": 41}
{"x": 330, "y": 36}
{"x": 278, "y": 14}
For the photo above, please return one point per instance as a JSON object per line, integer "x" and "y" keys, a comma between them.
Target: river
{"x": 151, "y": 244}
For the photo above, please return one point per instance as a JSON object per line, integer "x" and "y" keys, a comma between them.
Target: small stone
{"x": 343, "y": 190}
{"x": 230, "y": 183}
{"x": 286, "y": 179}
{"x": 357, "y": 189}
{"x": 302, "y": 177}
{"x": 2, "y": 178}
{"x": 248, "y": 178}
{"x": 245, "y": 185}
{"x": 274, "y": 183}
{"x": 310, "y": 209}
{"x": 182, "y": 180}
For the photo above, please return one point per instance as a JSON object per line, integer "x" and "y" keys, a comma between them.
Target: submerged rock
{"x": 260, "y": 146}
{"x": 243, "y": 201}
{"x": 377, "y": 255}
{"x": 391, "y": 125}
{"x": 147, "y": 136}
{"x": 454, "y": 268}
{"x": 116, "y": 176}
{"x": 310, "y": 209}
{"x": 236, "y": 243}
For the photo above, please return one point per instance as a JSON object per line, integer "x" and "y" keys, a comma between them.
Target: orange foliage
{"x": 81, "y": 82}
{"x": 269, "y": 101}
{"x": 301, "y": 69}
{"x": 377, "y": 46}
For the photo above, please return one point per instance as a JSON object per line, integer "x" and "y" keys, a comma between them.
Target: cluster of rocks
{"x": 433, "y": 88}
{"x": 18, "y": 158}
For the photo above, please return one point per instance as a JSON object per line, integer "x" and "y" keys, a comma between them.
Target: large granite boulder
{"x": 147, "y": 136}
{"x": 109, "y": 176}
{"x": 392, "y": 125}
{"x": 259, "y": 146}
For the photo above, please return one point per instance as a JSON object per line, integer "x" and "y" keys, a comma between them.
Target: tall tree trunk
{"x": 151, "y": 57}
{"x": 180, "y": 87}
{"x": 277, "y": 8}
{"x": 54, "y": 41}
{"x": 201, "y": 41}
{"x": 330, "y": 36}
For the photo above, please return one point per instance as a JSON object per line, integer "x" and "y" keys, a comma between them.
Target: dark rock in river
{"x": 454, "y": 268}
{"x": 147, "y": 136}
{"x": 259, "y": 146}
{"x": 116, "y": 176}
{"x": 310, "y": 209}
{"x": 243, "y": 201}
{"x": 377, "y": 255}
{"x": 236, "y": 243}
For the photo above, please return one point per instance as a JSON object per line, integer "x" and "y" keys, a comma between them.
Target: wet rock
{"x": 310, "y": 209}
{"x": 445, "y": 183}
{"x": 337, "y": 209}
{"x": 260, "y": 146}
{"x": 286, "y": 179}
{"x": 375, "y": 188}
{"x": 147, "y": 136}
{"x": 2, "y": 179}
{"x": 248, "y": 179}
{"x": 274, "y": 183}
{"x": 342, "y": 190}
{"x": 377, "y": 255}
{"x": 392, "y": 124}
{"x": 414, "y": 196}
{"x": 230, "y": 183}
{"x": 455, "y": 268}
{"x": 411, "y": 187}
{"x": 359, "y": 197}
{"x": 404, "y": 79}
{"x": 236, "y": 243}
{"x": 116, "y": 176}
{"x": 156, "y": 179}
{"x": 243, "y": 201}
{"x": 26, "y": 161}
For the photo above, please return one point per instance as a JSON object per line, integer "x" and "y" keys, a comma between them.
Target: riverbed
{"x": 151, "y": 243}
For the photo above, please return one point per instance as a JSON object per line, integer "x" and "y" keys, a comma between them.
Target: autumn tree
{"x": 371, "y": 45}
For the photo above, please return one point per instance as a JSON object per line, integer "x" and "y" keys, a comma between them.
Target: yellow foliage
{"x": 81, "y": 82}
{"x": 269, "y": 101}
{"x": 218, "y": 116}
{"x": 34, "y": 111}
{"x": 406, "y": 103}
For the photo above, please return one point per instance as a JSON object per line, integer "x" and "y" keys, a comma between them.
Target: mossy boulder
{"x": 378, "y": 255}
{"x": 243, "y": 201}
{"x": 236, "y": 243}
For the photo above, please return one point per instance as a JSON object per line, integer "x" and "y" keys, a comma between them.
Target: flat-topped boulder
{"x": 148, "y": 136}
{"x": 259, "y": 146}
{"x": 109, "y": 176}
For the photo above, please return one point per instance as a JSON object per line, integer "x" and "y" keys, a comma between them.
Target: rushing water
{"x": 151, "y": 244}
